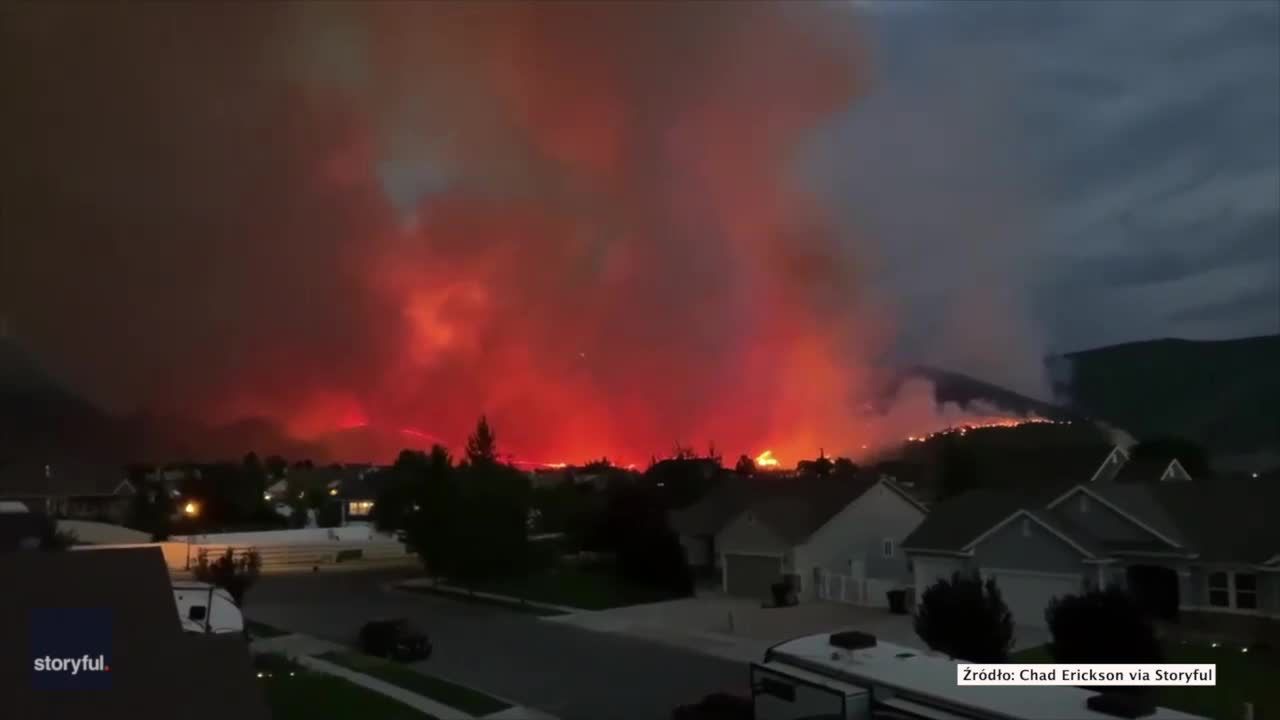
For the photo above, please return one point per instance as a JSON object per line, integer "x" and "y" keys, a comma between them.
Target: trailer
{"x": 206, "y": 609}
{"x": 829, "y": 678}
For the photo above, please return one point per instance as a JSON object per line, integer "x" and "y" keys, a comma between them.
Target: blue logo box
{"x": 71, "y": 648}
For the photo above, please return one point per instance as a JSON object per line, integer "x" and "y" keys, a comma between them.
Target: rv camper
{"x": 206, "y": 609}
{"x": 853, "y": 677}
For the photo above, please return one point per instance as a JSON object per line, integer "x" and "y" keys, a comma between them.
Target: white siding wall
{"x": 748, "y": 536}
{"x": 857, "y": 533}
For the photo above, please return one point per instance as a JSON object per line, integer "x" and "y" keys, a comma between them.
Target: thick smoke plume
{"x": 584, "y": 220}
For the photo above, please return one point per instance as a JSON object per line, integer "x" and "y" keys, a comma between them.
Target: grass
{"x": 1242, "y": 677}
{"x": 263, "y": 630}
{"x": 307, "y": 695}
{"x": 472, "y": 702}
{"x": 579, "y": 587}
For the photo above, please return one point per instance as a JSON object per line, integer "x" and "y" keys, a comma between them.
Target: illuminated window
{"x": 359, "y": 507}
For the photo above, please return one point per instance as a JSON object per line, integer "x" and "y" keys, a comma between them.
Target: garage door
{"x": 930, "y": 570}
{"x": 751, "y": 575}
{"x": 1028, "y": 595}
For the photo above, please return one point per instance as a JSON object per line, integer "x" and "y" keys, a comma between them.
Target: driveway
{"x": 567, "y": 671}
{"x": 739, "y": 629}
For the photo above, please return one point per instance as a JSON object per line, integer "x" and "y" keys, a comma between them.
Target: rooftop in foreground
{"x": 931, "y": 680}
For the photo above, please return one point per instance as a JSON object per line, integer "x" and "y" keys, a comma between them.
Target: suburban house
{"x": 68, "y": 488}
{"x": 813, "y": 531}
{"x": 358, "y": 492}
{"x": 1202, "y": 552}
{"x": 123, "y": 597}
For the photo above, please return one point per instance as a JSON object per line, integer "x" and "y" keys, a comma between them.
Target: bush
{"x": 231, "y": 572}
{"x": 1104, "y": 626}
{"x": 966, "y": 618}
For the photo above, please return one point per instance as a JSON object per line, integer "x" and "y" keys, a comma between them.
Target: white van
{"x": 206, "y": 609}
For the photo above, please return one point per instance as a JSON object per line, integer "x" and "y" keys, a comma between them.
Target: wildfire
{"x": 994, "y": 423}
{"x": 766, "y": 460}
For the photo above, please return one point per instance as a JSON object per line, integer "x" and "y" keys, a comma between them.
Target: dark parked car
{"x": 395, "y": 639}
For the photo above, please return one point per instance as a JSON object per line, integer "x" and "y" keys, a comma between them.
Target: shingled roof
{"x": 1220, "y": 520}
{"x": 792, "y": 507}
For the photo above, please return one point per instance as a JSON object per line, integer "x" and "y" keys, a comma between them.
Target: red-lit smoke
{"x": 581, "y": 219}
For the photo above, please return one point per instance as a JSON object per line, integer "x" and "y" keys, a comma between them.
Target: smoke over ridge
{"x": 592, "y": 221}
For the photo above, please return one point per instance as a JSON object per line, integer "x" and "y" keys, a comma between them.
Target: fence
{"x": 869, "y": 592}
{"x": 276, "y": 557}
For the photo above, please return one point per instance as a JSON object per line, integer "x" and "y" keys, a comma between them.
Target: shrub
{"x": 966, "y": 618}
{"x": 1105, "y": 626}
{"x": 231, "y": 572}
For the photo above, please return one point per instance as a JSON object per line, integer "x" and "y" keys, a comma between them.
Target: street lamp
{"x": 191, "y": 509}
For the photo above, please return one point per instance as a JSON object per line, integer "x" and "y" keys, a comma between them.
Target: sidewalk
{"x": 304, "y": 648}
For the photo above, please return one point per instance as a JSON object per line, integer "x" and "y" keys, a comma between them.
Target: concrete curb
{"x": 464, "y": 593}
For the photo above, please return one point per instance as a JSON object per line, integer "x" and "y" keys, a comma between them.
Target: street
{"x": 567, "y": 671}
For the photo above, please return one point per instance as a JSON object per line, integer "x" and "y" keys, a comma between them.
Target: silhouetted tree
{"x": 493, "y": 538}
{"x": 276, "y": 467}
{"x": 235, "y": 573}
{"x": 634, "y": 527}
{"x": 482, "y": 445}
{"x": 745, "y": 466}
{"x": 844, "y": 467}
{"x": 821, "y": 466}
{"x": 681, "y": 481}
{"x": 965, "y": 618}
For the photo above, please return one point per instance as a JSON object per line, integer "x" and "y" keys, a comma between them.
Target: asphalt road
{"x": 569, "y": 672}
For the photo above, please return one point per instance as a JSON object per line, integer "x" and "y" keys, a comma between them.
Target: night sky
{"x": 616, "y": 226}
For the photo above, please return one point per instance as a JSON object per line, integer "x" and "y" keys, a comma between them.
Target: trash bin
{"x": 897, "y": 602}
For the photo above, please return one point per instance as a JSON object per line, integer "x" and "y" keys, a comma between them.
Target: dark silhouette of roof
{"x": 1219, "y": 520}
{"x": 792, "y": 507}
{"x": 62, "y": 478}
{"x": 157, "y": 671}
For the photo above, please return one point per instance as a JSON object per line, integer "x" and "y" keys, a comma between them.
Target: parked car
{"x": 716, "y": 706}
{"x": 395, "y": 639}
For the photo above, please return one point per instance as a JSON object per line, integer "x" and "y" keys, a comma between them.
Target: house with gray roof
{"x": 1201, "y": 551}
{"x": 802, "y": 528}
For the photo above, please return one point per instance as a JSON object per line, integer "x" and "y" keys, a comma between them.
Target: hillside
{"x": 1223, "y": 394}
{"x": 953, "y": 387}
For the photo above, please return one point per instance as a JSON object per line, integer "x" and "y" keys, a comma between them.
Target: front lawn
{"x": 580, "y": 587}
{"x": 472, "y": 702}
{"x": 1242, "y": 677}
{"x": 263, "y": 630}
{"x": 294, "y": 693}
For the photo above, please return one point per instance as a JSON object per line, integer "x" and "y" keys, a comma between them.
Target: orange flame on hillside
{"x": 992, "y": 423}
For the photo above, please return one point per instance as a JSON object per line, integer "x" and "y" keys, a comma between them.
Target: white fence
{"x": 298, "y": 536}
{"x": 279, "y": 557}
{"x": 869, "y": 592}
